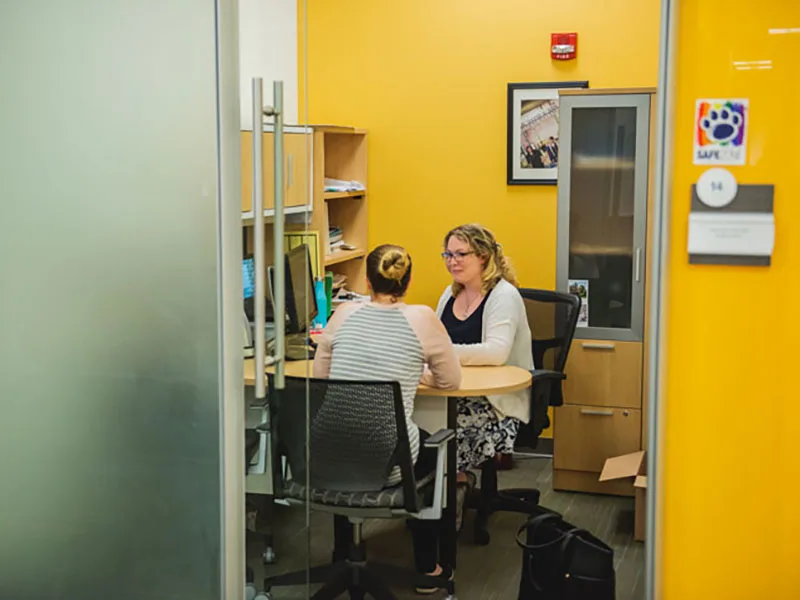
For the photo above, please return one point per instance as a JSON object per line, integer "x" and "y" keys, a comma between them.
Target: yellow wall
{"x": 428, "y": 80}
{"x": 732, "y": 456}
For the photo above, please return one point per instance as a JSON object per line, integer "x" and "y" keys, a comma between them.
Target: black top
{"x": 468, "y": 331}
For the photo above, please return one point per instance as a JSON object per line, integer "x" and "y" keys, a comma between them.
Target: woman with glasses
{"x": 485, "y": 317}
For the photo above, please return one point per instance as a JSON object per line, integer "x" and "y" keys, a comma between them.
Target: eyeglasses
{"x": 458, "y": 256}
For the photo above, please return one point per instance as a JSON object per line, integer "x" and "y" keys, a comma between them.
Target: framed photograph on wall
{"x": 532, "y": 147}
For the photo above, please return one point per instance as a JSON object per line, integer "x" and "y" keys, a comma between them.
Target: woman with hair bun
{"x": 485, "y": 316}
{"x": 388, "y": 340}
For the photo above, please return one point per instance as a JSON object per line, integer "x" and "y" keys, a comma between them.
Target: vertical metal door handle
{"x": 638, "y": 265}
{"x": 258, "y": 240}
{"x": 278, "y": 228}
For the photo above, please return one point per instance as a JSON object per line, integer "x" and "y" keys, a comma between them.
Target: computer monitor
{"x": 301, "y": 300}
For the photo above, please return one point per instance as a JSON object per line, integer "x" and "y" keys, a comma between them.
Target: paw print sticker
{"x": 722, "y": 125}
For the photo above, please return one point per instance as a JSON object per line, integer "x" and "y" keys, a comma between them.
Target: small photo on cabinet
{"x": 583, "y": 316}
{"x": 580, "y": 289}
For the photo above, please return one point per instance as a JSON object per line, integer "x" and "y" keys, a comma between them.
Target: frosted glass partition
{"x": 111, "y": 356}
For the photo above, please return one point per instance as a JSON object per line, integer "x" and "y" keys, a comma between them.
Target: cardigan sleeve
{"x": 501, "y": 319}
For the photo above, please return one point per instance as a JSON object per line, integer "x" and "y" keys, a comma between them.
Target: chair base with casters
{"x": 358, "y": 577}
{"x": 250, "y": 591}
{"x": 487, "y": 499}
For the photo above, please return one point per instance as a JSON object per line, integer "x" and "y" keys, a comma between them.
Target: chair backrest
{"x": 552, "y": 317}
{"x": 356, "y": 432}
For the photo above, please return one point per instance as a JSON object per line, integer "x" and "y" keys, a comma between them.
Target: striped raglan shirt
{"x": 381, "y": 342}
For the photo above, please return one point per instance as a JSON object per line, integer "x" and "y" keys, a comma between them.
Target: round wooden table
{"x": 475, "y": 381}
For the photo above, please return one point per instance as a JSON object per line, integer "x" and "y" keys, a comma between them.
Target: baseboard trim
{"x": 544, "y": 447}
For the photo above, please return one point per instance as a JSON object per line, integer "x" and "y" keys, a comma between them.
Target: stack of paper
{"x": 339, "y": 185}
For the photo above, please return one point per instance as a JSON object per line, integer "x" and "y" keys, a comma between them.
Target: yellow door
{"x": 731, "y": 456}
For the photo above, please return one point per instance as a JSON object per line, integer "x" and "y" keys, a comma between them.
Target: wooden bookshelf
{"x": 341, "y": 153}
{"x": 338, "y": 153}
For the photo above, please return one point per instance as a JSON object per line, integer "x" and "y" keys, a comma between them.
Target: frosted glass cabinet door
{"x": 602, "y": 211}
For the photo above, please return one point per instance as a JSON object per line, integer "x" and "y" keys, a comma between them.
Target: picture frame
{"x": 532, "y": 137}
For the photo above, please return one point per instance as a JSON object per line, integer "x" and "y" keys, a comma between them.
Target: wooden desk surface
{"x": 476, "y": 381}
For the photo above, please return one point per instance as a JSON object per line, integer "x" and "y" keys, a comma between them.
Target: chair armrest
{"x": 440, "y": 437}
{"x": 542, "y": 374}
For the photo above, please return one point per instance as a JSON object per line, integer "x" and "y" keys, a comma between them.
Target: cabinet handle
{"x": 597, "y": 413}
{"x": 638, "y": 265}
{"x": 587, "y": 346}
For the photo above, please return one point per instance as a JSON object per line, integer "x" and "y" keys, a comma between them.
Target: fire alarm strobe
{"x": 563, "y": 46}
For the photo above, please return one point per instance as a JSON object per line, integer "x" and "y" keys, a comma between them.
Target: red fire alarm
{"x": 563, "y": 46}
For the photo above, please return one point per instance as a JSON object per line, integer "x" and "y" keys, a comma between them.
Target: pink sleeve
{"x": 443, "y": 369}
{"x": 322, "y": 356}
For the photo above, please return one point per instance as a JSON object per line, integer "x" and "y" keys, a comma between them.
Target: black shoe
{"x": 446, "y": 576}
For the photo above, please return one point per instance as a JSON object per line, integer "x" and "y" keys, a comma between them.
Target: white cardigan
{"x": 506, "y": 340}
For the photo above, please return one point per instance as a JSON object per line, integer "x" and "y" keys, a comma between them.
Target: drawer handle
{"x": 597, "y": 413}
{"x": 598, "y": 346}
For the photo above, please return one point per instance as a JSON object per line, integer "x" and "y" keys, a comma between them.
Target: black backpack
{"x": 562, "y": 562}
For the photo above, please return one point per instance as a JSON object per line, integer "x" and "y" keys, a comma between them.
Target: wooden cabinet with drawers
{"x": 603, "y": 196}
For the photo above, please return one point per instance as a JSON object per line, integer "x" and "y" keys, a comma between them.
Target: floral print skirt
{"x": 480, "y": 434}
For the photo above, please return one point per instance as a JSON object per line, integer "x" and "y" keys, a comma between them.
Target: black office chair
{"x": 357, "y": 433}
{"x": 552, "y": 317}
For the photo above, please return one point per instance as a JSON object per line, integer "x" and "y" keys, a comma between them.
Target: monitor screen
{"x": 248, "y": 277}
{"x": 301, "y": 301}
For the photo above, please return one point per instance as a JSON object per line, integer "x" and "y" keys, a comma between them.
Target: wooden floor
{"x": 483, "y": 573}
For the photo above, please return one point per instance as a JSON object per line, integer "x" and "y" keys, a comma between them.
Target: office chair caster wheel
{"x": 263, "y": 597}
{"x": 269, "y": 556}
{"x": 482, "y": 537}
{"x": 250, "y": 592}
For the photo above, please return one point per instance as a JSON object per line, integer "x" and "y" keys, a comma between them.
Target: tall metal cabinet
{"x": 603, "y": 183}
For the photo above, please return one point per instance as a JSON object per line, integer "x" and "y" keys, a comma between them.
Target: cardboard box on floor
{"x": 634, "y": 467}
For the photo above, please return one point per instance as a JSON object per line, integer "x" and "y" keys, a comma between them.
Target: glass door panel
{"x": 601, "y": 215}
{"x": 602, "y": 211}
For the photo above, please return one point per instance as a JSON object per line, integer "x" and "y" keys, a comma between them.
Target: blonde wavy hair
{"x": 482, "y": 242}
